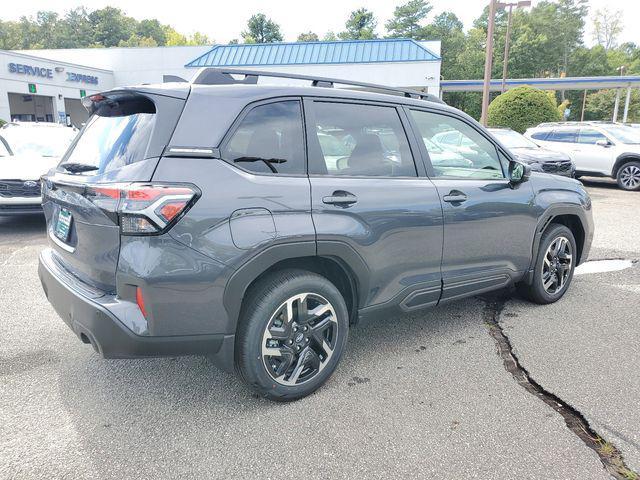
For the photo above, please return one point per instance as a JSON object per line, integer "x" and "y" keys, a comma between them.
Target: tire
{"x": 545, "y": 288}
{"x": 307, "y": 348}
{"x": 628, "y": 176}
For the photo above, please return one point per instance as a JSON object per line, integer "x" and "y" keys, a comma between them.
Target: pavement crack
{"x": 609, "y": 455}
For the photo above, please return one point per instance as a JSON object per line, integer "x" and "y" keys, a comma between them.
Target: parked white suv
{"x": 597, "y": 149}
{"x": 28, "y": 151}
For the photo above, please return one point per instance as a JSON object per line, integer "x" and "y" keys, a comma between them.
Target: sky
{"x": 224, "y": 20}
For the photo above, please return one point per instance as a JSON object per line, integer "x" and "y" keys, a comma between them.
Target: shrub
{"x": 2, "y": 122}
{"x": 521, "y": 108}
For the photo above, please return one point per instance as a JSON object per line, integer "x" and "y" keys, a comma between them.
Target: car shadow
{"x": 115, "y": 404}
{"x": 600, "y": 183}
{"x": 21, "y": 226}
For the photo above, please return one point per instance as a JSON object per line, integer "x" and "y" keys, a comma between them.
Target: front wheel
{"x": 554, "y": 267}
{"x": 292, "y": 333}
{"x": 628, "y": 176}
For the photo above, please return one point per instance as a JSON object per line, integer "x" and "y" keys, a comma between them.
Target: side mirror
{"x": 518, "y": 172}
{"x": 603, "y": 143}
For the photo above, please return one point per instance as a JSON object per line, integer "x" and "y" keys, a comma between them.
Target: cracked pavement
{"x": 424, "y": 395}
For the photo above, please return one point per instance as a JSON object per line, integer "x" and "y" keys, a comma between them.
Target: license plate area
{"x": 63, "y": 224}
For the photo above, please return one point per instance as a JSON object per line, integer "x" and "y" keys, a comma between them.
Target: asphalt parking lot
{"x": 422, "y": 396}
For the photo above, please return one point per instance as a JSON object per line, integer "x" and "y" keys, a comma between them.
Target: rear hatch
{"x": 119, "y": 146}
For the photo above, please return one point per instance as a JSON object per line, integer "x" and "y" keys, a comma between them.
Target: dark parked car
{"x": 538, "y": 158}
{"x": 207, "y": 218}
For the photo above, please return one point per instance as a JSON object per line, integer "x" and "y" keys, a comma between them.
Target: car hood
{"x": 539, "y": 155}
{"x": 26, "y": 167}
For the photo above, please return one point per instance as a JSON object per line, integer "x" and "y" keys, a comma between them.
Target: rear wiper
{"x": 78, "y": 167}
{"x": 267, "y": 161}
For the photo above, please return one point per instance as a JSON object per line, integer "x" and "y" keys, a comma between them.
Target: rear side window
{"x": 590, "y": 137}
{"x": 360, "y": 140}
{"x": 564, "y": 136}
{"x": 117, "y": 134}
{"x": 269, "y": 139}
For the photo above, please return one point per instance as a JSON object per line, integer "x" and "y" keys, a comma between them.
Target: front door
{"x": 370, "y": 196}
{"x": 590, "y": 157}
{"x": 489, "y": 224}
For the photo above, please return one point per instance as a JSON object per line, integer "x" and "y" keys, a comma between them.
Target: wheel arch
{"x": 344, "y": 268}
{"x": 568, "y": 216}
{"x": 621, "y": 160}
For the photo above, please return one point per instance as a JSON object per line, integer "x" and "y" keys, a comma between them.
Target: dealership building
{"x": 48, "y": 85}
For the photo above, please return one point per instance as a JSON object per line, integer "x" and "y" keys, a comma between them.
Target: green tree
{"x": 607, "y": 26}
{"x": 110, "y": 25}
{"x": 600, "y": 106}
{"x": 307, "y": 37}
{"x": 76, "y": 30}
{"x": 330, "y": 37}
{"x": 260, "y": 29}
{"x": 407, "y": 19}
{"x": 361, "y": 25}
{"x": 152, "y": 29}
{"x": 521, "y": 108}
{"x": 447, "y": 28}
{"x": 137, "y": 41}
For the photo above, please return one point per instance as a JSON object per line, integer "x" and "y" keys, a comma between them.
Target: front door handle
{"x": 340, "y": 198}
{"x": 455, "y": 196}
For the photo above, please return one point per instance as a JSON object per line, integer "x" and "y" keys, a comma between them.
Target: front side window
{"x": 590, "y": 136}
{"x": 361, "y": 140}
{"x": 269, "y": 139}
{"x": 562, "y": 136}
{"x": 470, "y": 156}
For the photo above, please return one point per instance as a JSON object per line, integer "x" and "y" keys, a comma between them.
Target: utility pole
{"x": 488, "y": 61}
{"x": 507, "y": 41}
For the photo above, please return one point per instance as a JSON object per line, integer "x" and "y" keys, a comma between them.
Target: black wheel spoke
{"x": 556, "y": 265}
{"x": 299, "y": 339}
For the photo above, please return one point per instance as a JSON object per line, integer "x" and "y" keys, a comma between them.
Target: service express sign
{"x": 43, "y": 72}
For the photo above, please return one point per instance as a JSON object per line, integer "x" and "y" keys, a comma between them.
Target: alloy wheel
{"x": 556, "y": 266}
{"x": 630, "y": 177}
{"x": 299, "y": 339}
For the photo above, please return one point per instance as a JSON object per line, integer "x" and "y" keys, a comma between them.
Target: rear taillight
{"x": 144, "y": 209}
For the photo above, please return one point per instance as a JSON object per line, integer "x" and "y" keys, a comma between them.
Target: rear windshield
{"x": 117, "y": 134}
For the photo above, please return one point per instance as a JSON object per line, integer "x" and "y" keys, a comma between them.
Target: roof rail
{"x": 223, "y": 76}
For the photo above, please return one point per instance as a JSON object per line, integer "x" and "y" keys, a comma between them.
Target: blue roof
{"x": 306, "y": 53}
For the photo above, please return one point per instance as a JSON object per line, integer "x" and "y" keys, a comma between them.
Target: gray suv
{"x": 256, "y": 223}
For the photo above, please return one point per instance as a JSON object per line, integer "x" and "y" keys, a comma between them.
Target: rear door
{"x": 369, "y": 194}
{"x": 120, "y": 143}
{"x": 489, "y": 224}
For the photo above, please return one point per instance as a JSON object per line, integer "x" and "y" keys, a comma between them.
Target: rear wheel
{"x": 554, "y": 267}
{"x": 628, "y": 176}
{"x": 291, "y": 335}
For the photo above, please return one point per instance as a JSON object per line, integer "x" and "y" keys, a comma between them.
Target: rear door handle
{"x": 340, "y": 198}
{"x": 455, "y": 196}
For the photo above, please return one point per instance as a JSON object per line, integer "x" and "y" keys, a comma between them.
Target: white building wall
{"x": 58, "y": 87}
{"x": 134, "y": 65}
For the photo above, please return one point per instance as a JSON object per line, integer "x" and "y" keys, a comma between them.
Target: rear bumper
{"x": 86, "y": 314}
